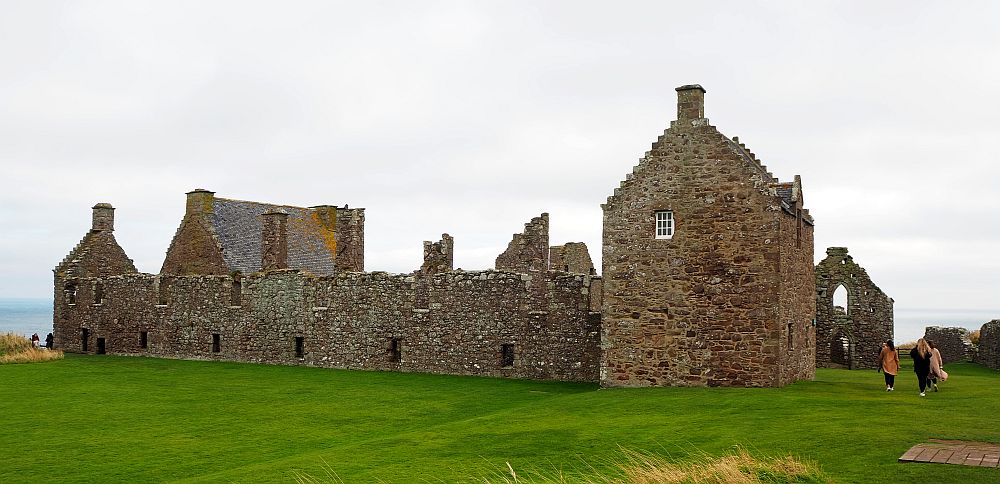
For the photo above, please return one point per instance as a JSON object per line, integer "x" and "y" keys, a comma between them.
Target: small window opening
{"x": 395, "y": 350}
{"x": 70, "y": 293}
{"x": 143, "y": 339}
{"x": 101, "y": 349}
{"x": 566, "y": 268}
{"x": 84, "y": 339}
{"x": 236, "y": 298}
{"x": 299, "y": 347}
{"x": 98, "y": 292}
{"x": 798, "y": 229}
{"x": 507, "y": 355}
{"x": 664, "y": 224}
{"x": 791, "y": 338}
{"x": 163, "y": 289}
{"x": 216, "y": 343}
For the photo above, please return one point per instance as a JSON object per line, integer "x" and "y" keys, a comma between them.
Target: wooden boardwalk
{"x": 958, "y": 452}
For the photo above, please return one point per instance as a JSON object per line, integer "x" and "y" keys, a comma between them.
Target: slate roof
{"x": 239, "y": 224}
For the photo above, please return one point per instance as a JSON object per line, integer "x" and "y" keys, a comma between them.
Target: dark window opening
{"x": 566, "y": 268}
{"x": 71, "y": 293}
{"x": 216, "y": 343}
{"x": 84, "y": 339}
{"x": 507, "y": 355}
{"x": 791, "y": 338}
{"x": 798, "y": 229}
{"x": 162, "y": 291}
{"x": 143, "y": 339}
{"x": 98, "y": 292}
{"x": 236, "y": 298}
{"x": 395, "y": 350}
{"x": 100, "y": 346}
{"x": 299, "y": 347}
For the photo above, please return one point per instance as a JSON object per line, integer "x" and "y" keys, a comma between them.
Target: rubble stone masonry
{"x": 953, "y": 343}
{"x": 708, "y": 281}
{"x": 351, "y": 320}
{"x": 849, "y": 336}
{"x": 989, "y": 345}
{"x": 725, "y": 294}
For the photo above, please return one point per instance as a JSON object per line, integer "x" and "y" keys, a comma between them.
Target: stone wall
{"x": 489, "y": 323}
{"x": 989, "y": 345}
{"x": 727, "y": 298}
{"x": 350, "y": 236}
{"x": 953, "y": 343}
{"x": 438, "y": 256}
{"x": 849, "y": 337}
{"x": 528, "y": 251}
{"x": 571, "y": 257}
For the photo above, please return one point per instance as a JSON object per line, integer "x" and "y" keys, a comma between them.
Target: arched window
{"x": 840, "y": 299}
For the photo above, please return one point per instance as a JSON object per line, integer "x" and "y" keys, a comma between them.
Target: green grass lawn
{"x": 104, "y": 418}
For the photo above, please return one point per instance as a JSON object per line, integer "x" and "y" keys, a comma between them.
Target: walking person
{"x": 937, "y": 367}
{"x": 888, "y": 360}
{"x": 921, "y": 355}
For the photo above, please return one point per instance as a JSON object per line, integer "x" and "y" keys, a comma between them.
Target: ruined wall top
{"x": 528, "y": 251}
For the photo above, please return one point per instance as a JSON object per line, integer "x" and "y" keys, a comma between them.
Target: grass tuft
{"x": 739, "y": 467}
{"x": 15, "y": 348}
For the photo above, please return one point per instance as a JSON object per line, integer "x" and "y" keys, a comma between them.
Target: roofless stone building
{"x": 708, "y": 280}
{"x": 853, "y": 316}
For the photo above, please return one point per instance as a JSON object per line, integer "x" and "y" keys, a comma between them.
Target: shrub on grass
{"x": 974, "y": 337}
{"x": 15, "y": 348}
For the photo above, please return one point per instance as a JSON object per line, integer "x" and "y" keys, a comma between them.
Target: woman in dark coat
{"x": 921, "y": 355}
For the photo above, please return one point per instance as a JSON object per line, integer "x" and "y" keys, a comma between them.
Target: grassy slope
{"x": 116, "y": 418}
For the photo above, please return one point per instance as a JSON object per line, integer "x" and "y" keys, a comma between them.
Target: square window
{"x": 664, "y": 224}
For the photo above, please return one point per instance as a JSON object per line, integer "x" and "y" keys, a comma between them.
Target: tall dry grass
{"x": 974, "y": 337}
{"x": 740, "y": 467}
{"x": 15, "y": 348}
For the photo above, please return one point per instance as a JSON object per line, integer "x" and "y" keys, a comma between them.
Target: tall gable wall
{"x": 862, "y": 326}
{"x": 195, "y": 249}
{"x": 701, "y": 307}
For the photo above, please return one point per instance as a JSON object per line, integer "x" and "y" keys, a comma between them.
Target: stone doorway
{"x": 84, "y": 340}
{"x": 841, "y": 350}
{"x": 100, "y": 346}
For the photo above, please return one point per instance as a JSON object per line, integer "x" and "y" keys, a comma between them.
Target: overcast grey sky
{"x": 472, "y": 117}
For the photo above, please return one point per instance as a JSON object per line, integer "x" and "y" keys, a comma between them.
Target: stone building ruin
{"x": 989, "y": 345}
{"x": 849, "y": 332}
{"x": 708, "y": 280}
{"x": 954, "y": 343}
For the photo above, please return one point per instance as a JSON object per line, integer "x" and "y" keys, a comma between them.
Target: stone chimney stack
{"x": 274, "y": 241}
{"x": 104, "y": 218}
{"x": 690, "y": 102}
{"x": 199, "y": 201}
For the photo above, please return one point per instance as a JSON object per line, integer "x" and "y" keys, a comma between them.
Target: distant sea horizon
{"x": 34, "y": 315}
{"x": 26, "y": 316}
